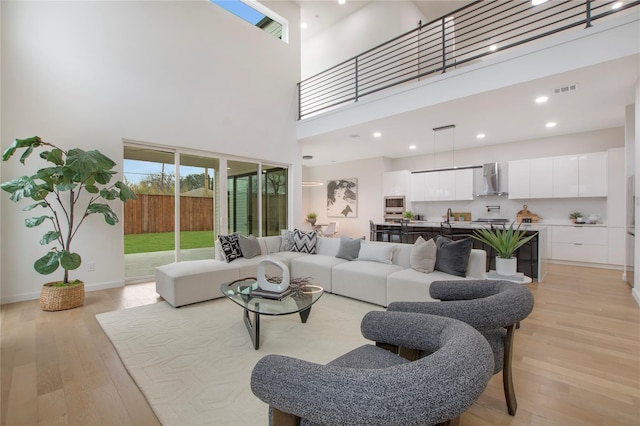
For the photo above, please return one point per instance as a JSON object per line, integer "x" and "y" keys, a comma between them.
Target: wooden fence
{"x": 155, "y": 213}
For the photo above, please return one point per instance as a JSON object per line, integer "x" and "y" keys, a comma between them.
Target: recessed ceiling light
{"x": 412, "y": 147}
{"x": 537, "y": 2}
{"x": 480, "y": 136}
{"x": 617, "y": 5}
{"x": 493, "y": 48}
{"x": 542, "y": 99}
{"x": 377, "y": 134}
{"x": 303, "y": 25}
{"x": 355, "y": 135}
{"x": 342, "y": 1}
{"x": 551, "y": 124}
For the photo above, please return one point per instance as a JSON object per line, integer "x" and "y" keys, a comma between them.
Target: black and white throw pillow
{"x": 304, "y": 242}
{"x": 230, "y": 246}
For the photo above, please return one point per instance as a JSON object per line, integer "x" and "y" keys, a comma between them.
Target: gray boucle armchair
{"x": 495, "y": 308}
{"x": 374, "y": 385}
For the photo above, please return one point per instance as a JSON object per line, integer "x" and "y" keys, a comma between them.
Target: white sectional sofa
{"x": 371, "y": 281}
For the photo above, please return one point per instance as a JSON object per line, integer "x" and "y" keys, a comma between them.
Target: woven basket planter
{"x": 61, "y": 298}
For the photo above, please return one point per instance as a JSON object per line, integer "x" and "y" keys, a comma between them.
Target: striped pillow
{"x": 304, "y": 242}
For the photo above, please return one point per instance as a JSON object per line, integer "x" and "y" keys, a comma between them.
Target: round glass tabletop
{"x": 240, "y": 291}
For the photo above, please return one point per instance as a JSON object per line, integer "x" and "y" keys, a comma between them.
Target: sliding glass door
{"x": 181, "y": 192}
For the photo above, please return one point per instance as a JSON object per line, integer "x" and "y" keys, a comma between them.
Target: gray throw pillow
{"x": 423, "y": 255}
{"x": 286, "y": 240}
{"x": 349, "y": 248}
{"x": 452, "y": 257}
{"x": 249, "y": 246}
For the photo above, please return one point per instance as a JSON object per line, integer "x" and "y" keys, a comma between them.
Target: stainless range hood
{"x": 486, "y": 181}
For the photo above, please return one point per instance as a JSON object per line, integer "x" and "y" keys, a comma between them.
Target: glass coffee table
{"x": 296, "y": 302}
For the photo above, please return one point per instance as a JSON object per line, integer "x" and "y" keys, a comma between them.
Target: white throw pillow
{"x": 382, "y": 253}
{"x": 423, "y": 255}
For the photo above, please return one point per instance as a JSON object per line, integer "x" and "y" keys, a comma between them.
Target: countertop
{"x": 472, "y": 225}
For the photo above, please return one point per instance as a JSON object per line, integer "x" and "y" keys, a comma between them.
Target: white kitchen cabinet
{"x": 579, "y": 243}
{"x": 617, "y": 239}
{"x": 464, "y": 184}
{"x": 418, "y": 187}
{"x": 566, "y": 178}
{"x": 531, "y": 178}
{"x": 519, "y": 179}
{"x": 445, "y": 185}
{"x": 616, "y": 191}
{"x": 541, "y": 180}
{"x": 593, "y": 175}
{"x": 396, "y": 183}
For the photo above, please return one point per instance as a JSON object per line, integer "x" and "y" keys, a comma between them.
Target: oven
{"x": 394, "y": 208}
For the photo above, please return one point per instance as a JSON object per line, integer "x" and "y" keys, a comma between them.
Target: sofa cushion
{"x": 423, "y": 255}
{"x": 349, "y": 248}
{"x": 304, "y": 242}
{"x": 249, "y": 246}
{"x": 230, "y": 246}
{"x": 453, "y": 256}
{"x": 286, "y": 241}
{"x": 382, "y": 253}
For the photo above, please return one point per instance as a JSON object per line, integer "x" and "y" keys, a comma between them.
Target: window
{"x": 257, "y": 15}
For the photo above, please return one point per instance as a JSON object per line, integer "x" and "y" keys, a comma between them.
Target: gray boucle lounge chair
{"x": 372, "y": 385}
{"x": 494, "y": 308}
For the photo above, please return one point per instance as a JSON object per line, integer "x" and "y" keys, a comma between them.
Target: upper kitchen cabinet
{"x": 531, "y": 178}
{"x": 446, "y": 185}
{"x": 593, "y": 175}
{"x": 396, "y": 183}
{"x": 583, "y": 175}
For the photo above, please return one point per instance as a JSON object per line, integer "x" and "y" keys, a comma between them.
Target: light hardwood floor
{"x": 576, "y": 360}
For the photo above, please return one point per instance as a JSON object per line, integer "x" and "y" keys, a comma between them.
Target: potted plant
{"x": 311, "y": 218}
{"x": 59, "y": 189}
{"x": 408, "y": 215}
{"x": 505, "y": 241}
{"x": 575, "y": 216}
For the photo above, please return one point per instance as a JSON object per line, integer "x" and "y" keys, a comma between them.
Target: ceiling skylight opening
{"x": 412, "y": 147}
{"x": 617, "y": 5}
{"x": 551, "y": 124}
{"x": 257, "y": 15}
{"x": 481, "y": 136}
{"x": 377, "y": 134}
{"x": 542, "y": 99}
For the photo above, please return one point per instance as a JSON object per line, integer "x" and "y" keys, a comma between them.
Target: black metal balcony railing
{"x": 460, "y": 38}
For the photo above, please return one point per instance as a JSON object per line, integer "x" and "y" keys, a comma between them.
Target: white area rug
{"x": 194, "y": 363}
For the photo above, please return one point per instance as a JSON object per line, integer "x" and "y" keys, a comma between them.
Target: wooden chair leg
{"x": 507, "y": 377}
{"x": 280, "y": 418}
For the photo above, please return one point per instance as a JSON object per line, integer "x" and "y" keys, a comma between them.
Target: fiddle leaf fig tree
{"x": 69, "y": 190}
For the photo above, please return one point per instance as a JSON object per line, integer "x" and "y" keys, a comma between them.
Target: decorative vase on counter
{"x": 506, "y": 267}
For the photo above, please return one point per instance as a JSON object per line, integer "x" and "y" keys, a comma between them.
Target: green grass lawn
{"x": 145, "y": 243}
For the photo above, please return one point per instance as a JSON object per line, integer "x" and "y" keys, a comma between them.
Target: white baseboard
{"x": 36, "y": 296}
{"x": 635, "y": 292}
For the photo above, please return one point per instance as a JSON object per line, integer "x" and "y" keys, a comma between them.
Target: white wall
{"x": 371, "y": 25}
{"x": 370, "y": 199}
{"x": 179, "y": 73}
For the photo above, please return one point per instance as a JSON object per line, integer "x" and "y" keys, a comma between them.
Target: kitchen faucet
{"x": 449, "y": 214}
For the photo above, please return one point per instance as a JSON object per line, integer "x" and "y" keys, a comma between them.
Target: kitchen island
{"x": 532, "y": 257}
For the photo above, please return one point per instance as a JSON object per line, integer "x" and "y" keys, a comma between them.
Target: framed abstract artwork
{"x": 342, "y": 198}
